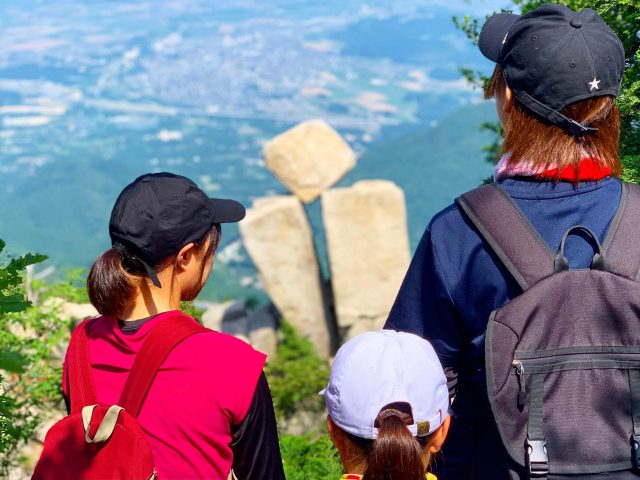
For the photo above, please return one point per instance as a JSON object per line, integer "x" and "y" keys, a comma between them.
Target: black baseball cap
{"x": 553, "y": 57}
{"x": 159, "y": 213}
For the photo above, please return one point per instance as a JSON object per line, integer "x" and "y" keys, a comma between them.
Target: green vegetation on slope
{"x": 296, "y": 375}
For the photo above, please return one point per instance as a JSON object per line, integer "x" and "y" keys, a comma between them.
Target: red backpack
{"x": 106, "y": 441}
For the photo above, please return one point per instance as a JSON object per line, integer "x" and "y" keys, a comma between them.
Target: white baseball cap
{"x": 375, "y": 369}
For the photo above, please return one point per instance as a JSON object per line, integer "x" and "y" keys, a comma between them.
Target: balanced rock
{"x": 368, "y": 245}
{"x": 309, "y": 158}
{"x": 277, "y": 235}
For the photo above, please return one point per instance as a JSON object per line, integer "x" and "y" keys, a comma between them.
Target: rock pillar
{"x": 368, "y": 244}
{"x": 277, "y": 235}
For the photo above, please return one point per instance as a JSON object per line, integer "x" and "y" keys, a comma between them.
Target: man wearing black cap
{"x": 557, "y": 75}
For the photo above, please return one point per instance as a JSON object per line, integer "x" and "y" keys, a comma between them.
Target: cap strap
{"x": 569, "y": 125}
{"x": 424, "y": 427}
{"x": 150, "y": 272}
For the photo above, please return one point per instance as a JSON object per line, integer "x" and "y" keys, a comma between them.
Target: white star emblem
{"x": 595, "y": 85}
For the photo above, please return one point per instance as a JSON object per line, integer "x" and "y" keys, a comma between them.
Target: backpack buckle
{"x": 635, "y": 451}
{"x": 537, "y": 459}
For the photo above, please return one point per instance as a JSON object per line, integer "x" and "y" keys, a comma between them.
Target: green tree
{"x": 13, "y": 361}
{"x": 623, "y": 16}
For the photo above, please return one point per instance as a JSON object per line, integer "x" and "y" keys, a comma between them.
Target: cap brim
{"x": 494, "y": 34}
{"x": 227, "y": 211}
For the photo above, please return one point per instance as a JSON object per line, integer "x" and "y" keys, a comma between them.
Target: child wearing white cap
{"x": 388, "y": 406}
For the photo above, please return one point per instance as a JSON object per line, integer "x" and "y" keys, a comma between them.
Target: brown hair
{"x": 395, "y": 454}
{"x": 529, "y": 139}
{"x": 115, "y": 274}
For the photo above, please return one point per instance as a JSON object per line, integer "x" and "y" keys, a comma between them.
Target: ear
{"x": 509, "y": 99}
{"x": 438, "y": 437}
{"x": 185, "y": 255}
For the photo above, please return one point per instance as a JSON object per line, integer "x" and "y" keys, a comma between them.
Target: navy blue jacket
{"x": 453, "y": 284}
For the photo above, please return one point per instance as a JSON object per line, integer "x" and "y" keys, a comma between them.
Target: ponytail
{"x": 395, "y": 454}
{"x": 110, "y": 288}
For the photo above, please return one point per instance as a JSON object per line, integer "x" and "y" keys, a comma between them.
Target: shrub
{"x": 296, "y": 375}
{"x": 309, "y": 457}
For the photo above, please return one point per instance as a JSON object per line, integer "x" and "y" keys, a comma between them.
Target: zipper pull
{"x": 522, "y": 385}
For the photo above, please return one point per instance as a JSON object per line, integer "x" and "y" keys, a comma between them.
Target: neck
{"x": 151, "y": 300}
{"x": 352, "y": 462}
{"x": 356, "y": 468}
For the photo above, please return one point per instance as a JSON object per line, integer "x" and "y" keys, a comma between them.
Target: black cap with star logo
{"x": 554, "y": 57}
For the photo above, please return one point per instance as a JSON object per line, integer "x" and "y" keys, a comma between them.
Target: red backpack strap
{"x": 159, "y": 342}
{"x": 81, "y": 387}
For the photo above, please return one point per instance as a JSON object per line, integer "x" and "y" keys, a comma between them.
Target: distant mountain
{"x": 116, "y": 89}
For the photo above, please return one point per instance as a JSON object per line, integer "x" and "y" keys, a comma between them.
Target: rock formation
{"x": 277, "y": 235}
{"x": 368, "y": 246}
{"x": 309, "y": 158}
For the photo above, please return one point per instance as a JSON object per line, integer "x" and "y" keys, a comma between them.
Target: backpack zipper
{"x": 522, "y": 386}
{"x": 571, "y": 359}
{"x": 539, "y": 362}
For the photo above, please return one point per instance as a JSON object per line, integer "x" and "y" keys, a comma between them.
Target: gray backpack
{"x": 563, "y": 358}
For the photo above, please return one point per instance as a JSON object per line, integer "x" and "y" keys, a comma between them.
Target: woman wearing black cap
{"x": 208, "y": 410}
{"x": 557, "y": 75}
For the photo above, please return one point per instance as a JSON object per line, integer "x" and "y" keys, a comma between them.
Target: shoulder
{"x": 218, "y": 346}
{"x": 450, "y": 226}
{"x": 445, "y": 218}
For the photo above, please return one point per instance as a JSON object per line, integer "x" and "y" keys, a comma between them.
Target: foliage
{"x": 296, "y": 375}
{"x": 72, "y": 289}
{"x": 190, "y": 309}
{"x": 623, "y": 16}
{"x": 16, "y": 422}
{"x": 308, "y": 457}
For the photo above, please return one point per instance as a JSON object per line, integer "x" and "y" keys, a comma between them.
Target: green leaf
{"x": 13, "y": 303}
{"x": 13, "y": 362}
{"x": 20, "y": 263}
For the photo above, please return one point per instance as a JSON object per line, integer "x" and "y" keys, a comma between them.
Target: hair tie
{"x": 388, "y": 413}
{"x": 121, "y": 249}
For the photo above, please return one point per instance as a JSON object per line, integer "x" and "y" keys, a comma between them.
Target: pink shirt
{"x": 205, "y": 386}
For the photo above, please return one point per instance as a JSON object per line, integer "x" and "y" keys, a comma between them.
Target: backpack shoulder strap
{"x": 508, "y": 233}
{"x": 81, "y": 387}
{"x": 622, "y": 244}
{"x": 164, "y": 337}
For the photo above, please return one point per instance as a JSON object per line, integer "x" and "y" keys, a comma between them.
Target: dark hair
{"x": 531, "y": 139}
{"x": 395, "y": 454}
{"x": 112, "y": 279}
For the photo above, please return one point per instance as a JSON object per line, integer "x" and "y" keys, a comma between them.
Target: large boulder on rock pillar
{"x": 277, "y": 235}
{"x": 368, "y": 245}
{"x": 309, "y": 158}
